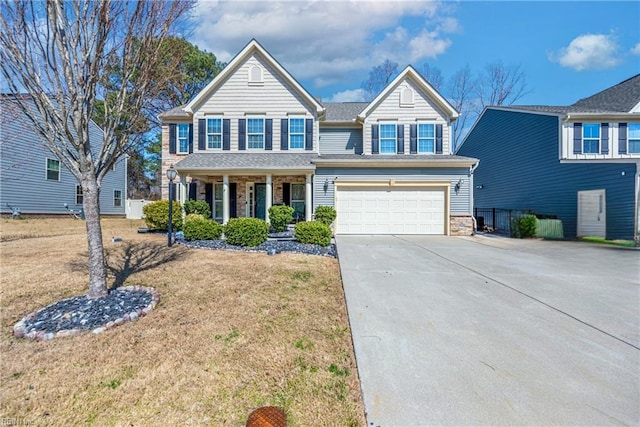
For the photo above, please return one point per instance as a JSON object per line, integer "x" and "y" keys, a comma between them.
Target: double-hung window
{"x": 591, "y": 138}
{"x": 214, "y": 134}
{"x": 79, "y": 195}
{"x": 296, "y": 132}
{"x": 426, "y": 138}
{"x": 117, "y": 198}
{"x": 297, "y": 200}
{"x": 53, "y": 170}
{"x": 255, "y": 133}
{"x": 183, "y": 138}
{"x": 388, "y": 137}
{"x": 633, "y": 136}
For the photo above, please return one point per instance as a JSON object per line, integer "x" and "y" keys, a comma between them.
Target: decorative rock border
{"x": 20, "y": 329}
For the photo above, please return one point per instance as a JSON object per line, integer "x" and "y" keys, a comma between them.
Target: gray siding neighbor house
{"x": 580, "y": 163}
{"x": 254, "y": 137}
{"x": 34, "y": 181}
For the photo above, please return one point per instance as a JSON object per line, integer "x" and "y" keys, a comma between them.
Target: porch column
{"x": 225, "y": 199}
{"x": 181, "y": 197}
{"x": 268, "y": 198}
{"x": 308, "y": 206}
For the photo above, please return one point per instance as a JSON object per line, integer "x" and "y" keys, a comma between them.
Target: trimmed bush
{"x": 527, "y": 226}
{"x": 197, "y": 227}
{"x": 313, "y": 232}
{"x": 156, "y": 215}
{"x": 280, "y": 216}
{"x": 246, "y": 231}
{"x": 197, "y": 207}
{"x": 325, "y": 215}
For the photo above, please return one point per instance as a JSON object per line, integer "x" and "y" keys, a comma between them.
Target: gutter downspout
{"x": 472, "y": 186}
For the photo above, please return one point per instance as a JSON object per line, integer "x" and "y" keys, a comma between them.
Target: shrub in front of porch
{"x": 313, "y": 232}
{"x": 197, "y": 227}
{"x": 280, "y": 216}
{"x": 246, "y": 231}
{"x": 156, "y": 215}
{"x": 325, "y": 215}
{"x": 197, "y": 207}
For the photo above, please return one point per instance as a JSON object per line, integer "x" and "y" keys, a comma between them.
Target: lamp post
{"x": 171, "y": 174}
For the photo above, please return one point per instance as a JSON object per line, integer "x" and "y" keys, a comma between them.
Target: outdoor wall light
{"x": 326, "y": 185}
{"x": 459, "y": 184}
{"x": 479, "y": 187}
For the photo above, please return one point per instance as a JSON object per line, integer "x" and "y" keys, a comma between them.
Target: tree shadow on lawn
{"x": 133, "y": 257}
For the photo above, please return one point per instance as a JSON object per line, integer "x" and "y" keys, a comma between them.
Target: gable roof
{"x": 410, "y": 72}
{"x": 621, "y": 98}
{"x": 252, "y": 47}
{"x": 341, "y": 112}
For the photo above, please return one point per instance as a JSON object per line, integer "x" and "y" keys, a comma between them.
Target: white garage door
{"x": 390, "y": 211}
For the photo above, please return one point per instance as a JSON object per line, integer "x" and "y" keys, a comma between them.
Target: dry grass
{"x": 232, "y": 332}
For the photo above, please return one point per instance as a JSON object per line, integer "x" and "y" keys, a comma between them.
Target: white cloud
{"x": 589, "y": 52}
{"x": 350, "y": 95}
{"x": 326, "y": 41}
{"x": 636, "y": 49}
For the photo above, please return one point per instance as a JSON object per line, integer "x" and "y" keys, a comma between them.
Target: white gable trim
{"x": 232, "y": 66}
{"x": 410, "y": 72}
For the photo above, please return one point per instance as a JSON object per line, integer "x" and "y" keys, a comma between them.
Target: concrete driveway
{"x": 493, "y": 331}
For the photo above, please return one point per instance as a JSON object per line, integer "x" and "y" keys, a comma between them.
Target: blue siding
{"x": 23, "y": 182}
{"x": 520, "y": 169}
{"x": 459, "y": 203}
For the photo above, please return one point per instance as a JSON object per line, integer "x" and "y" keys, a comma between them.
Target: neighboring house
{"x": 35, "y": 181}
{"x": 580, "y": 163}
{"x": 254, "y": 137}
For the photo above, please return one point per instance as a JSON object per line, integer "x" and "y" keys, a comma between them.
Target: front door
{"x": 592, "y": 213}
{"x": 256, "y": 200}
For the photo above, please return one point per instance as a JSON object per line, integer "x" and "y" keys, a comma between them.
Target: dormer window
{"x": 406, "y": 97}
{"x": 256, "y": 75}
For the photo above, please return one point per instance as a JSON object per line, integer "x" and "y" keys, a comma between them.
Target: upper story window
{"x": 406, "y": 97}
{"x": 255, "y": 133}
{"x": 388, "y": 137}
{"x": 53, "y": 170}
{"x": 214, "y": 133}
{"x": 591, "y": 138}
{"x": 183, "y": 139}
{"x": 296, "y": 132}
{"x": 426, "y": 138}
{"x": 633, "y": 132}
{"x": 256, "y": 75}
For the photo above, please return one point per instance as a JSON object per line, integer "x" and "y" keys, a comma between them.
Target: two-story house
{"x": 580, "y": 163}
{"x": 254, "y": 137}
{"x": 35, "y": 181}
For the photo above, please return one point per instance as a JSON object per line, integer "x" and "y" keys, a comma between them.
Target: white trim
{"x": 46, "y": 170}
{"x": 206, "y": 133}
{"x": 264, "y": 133}
{"x": 178, "y": 151}
{"x": 418, "y": 136}
{"x": 121, "y": 199}
{"x": 252, "y": 47}
{"x": 395, "y": 137}
{"x": 304, "y": 125}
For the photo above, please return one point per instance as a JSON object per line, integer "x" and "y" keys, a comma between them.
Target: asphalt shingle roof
{"x": 620, "y": 98}
{"x": 247, "y": 161}
{"x": 343, "y": 111}
{"x": 555, "y": 109}
{"x": 175, "y": 113}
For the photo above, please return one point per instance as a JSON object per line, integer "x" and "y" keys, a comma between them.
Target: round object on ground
{"x": 267, "y": 416}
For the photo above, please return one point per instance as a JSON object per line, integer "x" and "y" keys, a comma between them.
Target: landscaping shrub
{"x": 197, "y": 207}
{"x": 246, "y": 231}
{"x": 325, "y": 215}
{"x": 156, "y": 215}
{"x": 527, "y": 226}
{"x": 280, "y": 216}
{"x": 197, "y": 227}
{"x": 313, "y": 232}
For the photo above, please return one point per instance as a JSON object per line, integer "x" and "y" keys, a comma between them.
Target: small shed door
{"x": 592, "y": 213}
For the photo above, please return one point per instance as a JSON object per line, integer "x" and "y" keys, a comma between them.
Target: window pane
{"x": 255, "y": 125}
{"x": 590, "y": 146}
{"x": 218, "y": 192}
{"x": 214, "y": 141}
{"x": 214, "y": 126}
{"x": 117, "y": 198}
{"x": 255, "y": 141}
{"x": 53, "y": 170}
{"x": 298, "y": 210}
{"x": 426, "y": 145}
{"x": 296, "y": 141}
{"x": 591, "y": 130}
{"x": 634, "y": 146}
{"x": 297, "y": 192}
{"x": 633, "y": 130}
{"x": 387, "y": 131}
{"x": 217, "y": 207}
{"x": 387, "y": 145}
{"x": 296, "y": 125}
{"x": 426, "y": 130}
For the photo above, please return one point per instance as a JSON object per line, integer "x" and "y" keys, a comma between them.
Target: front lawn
{"x": 233, "y": 331}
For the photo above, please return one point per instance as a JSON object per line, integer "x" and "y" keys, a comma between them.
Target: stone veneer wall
{"x": 167, "y": 161}
{"x": 461, "y": 225}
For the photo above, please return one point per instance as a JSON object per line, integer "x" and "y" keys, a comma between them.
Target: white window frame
{"x": 255, "y": 133}
{"x": 301, "y": 147}
{"x": 301, "y": 201}
{"x": 182, "y": 138}
{"x": 79, "y": 195}
{"x": 115, "y": 198}
{"x": 419, "y": 137}
{"x": 395, "y": 137}
{"x": 630, "y": 139}
{"x": 217, "y": 213}
{"x": 598, "y": 140}
{"x": 46, "y": 169}
{"x": 213, "y": 134}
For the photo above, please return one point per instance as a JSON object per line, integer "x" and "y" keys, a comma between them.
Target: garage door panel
{"x": 396, "y": 211}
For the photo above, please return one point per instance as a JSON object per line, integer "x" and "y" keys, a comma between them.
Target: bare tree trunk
{"x": 91, "y": 205}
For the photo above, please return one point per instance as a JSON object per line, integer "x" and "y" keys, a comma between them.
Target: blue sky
{"x": 567, "y": 50}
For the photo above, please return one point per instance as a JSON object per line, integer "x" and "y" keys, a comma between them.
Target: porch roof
{"x": 247, "y": 162}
